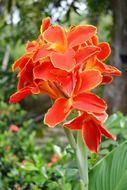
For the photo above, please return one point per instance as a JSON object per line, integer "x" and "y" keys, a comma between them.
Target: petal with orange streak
{"x": 94, "y": 63}
{"x": 89, "y": 80}
{"x": 56, "y": 35}
{"x": 64, "y": 61}
{"x": 105, "y": 50}
{"x": 58, "y": 112}
{"x": 89, "y": 102}
{"x": 91, "y": 135}
{"x": 86, "y": 52}
{"x": 76, "y": 123}
{"x": 79, "y": 34}
{"x": 49, "y": 89}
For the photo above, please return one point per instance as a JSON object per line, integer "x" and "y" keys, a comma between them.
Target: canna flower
{"x": 67, "y": 65}
{"x": 92, "y": 129}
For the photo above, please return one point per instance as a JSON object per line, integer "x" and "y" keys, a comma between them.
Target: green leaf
{"x": 67, "y": 186}
{"x": 111, "y": 172}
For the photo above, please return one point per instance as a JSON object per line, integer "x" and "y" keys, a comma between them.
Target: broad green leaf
{"x": 111, "y": 172}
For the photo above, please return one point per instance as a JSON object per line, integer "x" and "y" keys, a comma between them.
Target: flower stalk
{"x": 80, "y": 150}
{"x": 82, "y": 161}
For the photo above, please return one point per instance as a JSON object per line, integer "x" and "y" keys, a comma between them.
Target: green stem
{"x": 70, "y": 137}
{"x": 81, "y": 155}
{"x": 82, "y": 160}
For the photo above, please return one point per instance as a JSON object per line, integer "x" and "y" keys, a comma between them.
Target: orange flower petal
{"x": 89, "y": 80}
{"x": 102, "y": 129}
{"x": 64, "y": 61}
{"x": 107, "y": 79}
{"x": 64, "y": 81}
{"x": 101, "y": 116}
{"x": 79, "y": 34}
{"x": 41, "y": 53}
{"x": 45, "y": 24}
{"x": 94, "y": 63}
{"x": 21, "y": 62}
{"x": 55, "y": 35}
{"x": 43, "y": 71}
{"x": 112, "y": 70}
{"x": 67, "y": 83}
{"x": 49, "y": 88}
{"x": 105, "y": 50}
{"x": 89, "y": 102}
{"x": 16, "y": 97}
{"x": 95, "y": 40}
{"x": 30, "y": 46}
{"x": 86, "y": 52}
{"x": 91, "y": 135}
{"x": 58, "y": 112}
{"x": 106, "y": 133}
{"x": 76, "y": 123}
{"x": 102, "y": 67}
{"x": 26, "y": 75}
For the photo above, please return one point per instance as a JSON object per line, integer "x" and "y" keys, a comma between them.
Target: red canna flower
{"x": 67, "y": 66}
{"x": 92, "y": 129}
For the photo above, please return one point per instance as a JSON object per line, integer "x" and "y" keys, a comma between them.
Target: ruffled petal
{"x": 21, "y": 62}
{"x": 41, "y": 53}
{"x": 64, "y": 61}
{"x": 94, "y": 63}
{"x": 89, "y": 80}
{"x": 79, "y": 34}
{"x": 102, "y": 67}
{"x": 86, "y": 52}
{"x": 105, "y": 50}
{"x": 43, "y": 71}
{"x": 89, "y": 102}
{"x": 58, "y": 112}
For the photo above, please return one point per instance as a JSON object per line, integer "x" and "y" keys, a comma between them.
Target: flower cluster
{"x": 67, "y": 66}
